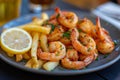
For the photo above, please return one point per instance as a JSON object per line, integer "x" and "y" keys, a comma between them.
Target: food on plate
{"x": 103, "y": 40}
{"x": 63, "y": 39}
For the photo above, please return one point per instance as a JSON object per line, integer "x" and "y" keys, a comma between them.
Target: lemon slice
{"x": 15, "y": 41}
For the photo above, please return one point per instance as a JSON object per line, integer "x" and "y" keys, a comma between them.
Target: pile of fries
{"x": 38, "y": 33}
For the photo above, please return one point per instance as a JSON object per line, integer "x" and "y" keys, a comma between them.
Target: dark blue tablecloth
{"x": 8, "y": 72}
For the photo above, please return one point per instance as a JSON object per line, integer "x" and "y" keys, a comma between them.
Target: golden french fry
{"x": 44, "y": 16}
{"x": 41, "y": 62}
{"x": 43, "y": 42}
{"x": 10, "y": 54}
{"x": 36, "y": 28}
{"x": 29, "y": 64}
{"x": 50, "y": 65}
{"x": 35, "y": 44}
{"x": 19, "y": 57}
{"x": 35, "y": 63}
{"x": 38, "y": 21}
{"x": 32, "y": 63}
{"x": 34, "y": 47}
{"x": 26, "y": 56}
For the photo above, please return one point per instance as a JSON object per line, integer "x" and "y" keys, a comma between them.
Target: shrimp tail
{"x": 98, "y": 28}
{"x": 57, "y": 10}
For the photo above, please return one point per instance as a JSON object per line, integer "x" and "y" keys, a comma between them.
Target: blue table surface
{"x": 8, "y": 72}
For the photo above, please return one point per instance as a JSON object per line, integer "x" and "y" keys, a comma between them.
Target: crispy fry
{"x": 26, "y": 56}
{"x": 10, "y": 54}
{"x": 19, "y": 57}
{"x": 35, "y": 44}
{"x": 34, "y": 47}
{"x": 29, "y": 64}
{"x": 35, "y": 63}
{"x": 43, "y": 42}
{"x": 32, "y": 63}
{"x": 50, "y": 65}
{"x": 44, "y": 16}
{"x": 36, "y": 28}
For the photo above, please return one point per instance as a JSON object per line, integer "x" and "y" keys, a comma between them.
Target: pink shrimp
{"x": 86, "y": 45}
{"x": 104, "y": 42}
{"x": 67, "y": 19}
{"x": 57, "y": 52}
{"x": 71, "y": 60}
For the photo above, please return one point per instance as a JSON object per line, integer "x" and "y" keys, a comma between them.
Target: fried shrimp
{"x": 65, "y": 41}
{"x": 67, "y": 19}
{"x": 56, "y": 34}
{"x": 104, "y": 42}
{"x": 71, "y": 60}
{"x": 86, "y": 26}
{"x": 57, "y": 52}
{"x": 88, "y": 58}
{"x": 86, "y": 45}
{"x": 72, "y": 54}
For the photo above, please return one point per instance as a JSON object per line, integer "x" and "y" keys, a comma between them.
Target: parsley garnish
{"x": 89, "y": 49}
{"x": 79, "y": 30}
{"x": 58, "y": 15}
{"x": 66, "y": 34}
{"x": 52, "y": 27}
{"x": 57, "y": 54}
{"x": 106, "y": 55}
{"x": 115, "y": 43}
{"x": 96, "y": 59}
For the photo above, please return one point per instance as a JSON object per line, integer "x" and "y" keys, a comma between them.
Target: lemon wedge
{"x": 15, "y": 41}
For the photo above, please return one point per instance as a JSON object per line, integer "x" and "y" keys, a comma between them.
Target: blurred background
{"x": 11, "y": 9}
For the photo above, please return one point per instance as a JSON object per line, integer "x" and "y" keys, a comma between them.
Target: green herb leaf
{"x": 57, "y": 54}
{"x": 96, "y": 59}
{"x": 52, "y": 27}
{"x": 106, "y": 55}
{"x": 67, "y": 34}
{"x": 79, "y": 30}
{"x": 89, "y": 49}
{"x": 115, "y": 43}
{"x": 58, "y": 15}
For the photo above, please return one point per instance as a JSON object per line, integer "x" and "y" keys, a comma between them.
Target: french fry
{"x": 41, "y": 62}
{"x": 35, "y": 63}
{"x": 19, "y": 57}
{"x": 44, "y": 16}
{"x": 10, "y": 54}
{"x": 36, "y": 28}
{"x": 35, "y": 44}
{"x": 29, "y": 64}
{"x": 26, "y": 56}
{"x": 43, "y": 42}
{"x": 38, "y": 21}
{"x": 50, "y": 65}
{"x": 32, "y": 64}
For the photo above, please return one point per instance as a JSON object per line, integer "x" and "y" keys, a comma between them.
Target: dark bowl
{"x": 102, "y": 62}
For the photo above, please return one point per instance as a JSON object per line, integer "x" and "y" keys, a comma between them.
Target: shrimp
{"x": 57, "y": 52}
{"x": 71, "y": 60}
{"x": 67, "y": 19}
{"x": 65, "y": 41}
{"x": 104, "y": 42}
{"x": 86, "y": 26}
{"x": 56, "y": 34}
{"x": 87, "y": 59}
{"x": 86, "y": 45}
{"x": 72, "y": 54}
